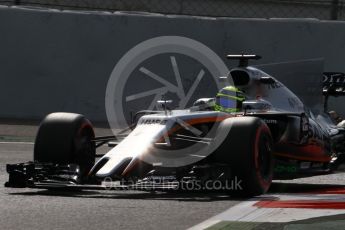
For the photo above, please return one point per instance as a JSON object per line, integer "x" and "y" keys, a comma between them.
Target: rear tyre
{"x": 66, "y": 138}
{"x": 248, "y": 151}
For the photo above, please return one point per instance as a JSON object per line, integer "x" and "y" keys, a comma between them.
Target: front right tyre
{"x": 66, "y": 138}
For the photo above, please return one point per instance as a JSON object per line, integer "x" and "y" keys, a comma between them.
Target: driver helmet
{"x": 229, "y": 99}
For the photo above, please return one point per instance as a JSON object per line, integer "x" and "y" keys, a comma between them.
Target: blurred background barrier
{"x": 52, "y": 60}
{"x": 321, "y": 9}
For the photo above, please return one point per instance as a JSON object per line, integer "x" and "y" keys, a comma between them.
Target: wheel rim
{"x": 264, "y": 157}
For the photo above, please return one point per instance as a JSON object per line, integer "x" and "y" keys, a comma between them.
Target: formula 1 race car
{"x": 271, "y": 135}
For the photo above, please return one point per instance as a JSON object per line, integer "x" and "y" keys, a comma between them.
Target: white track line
{"x": 17, "y": 142}
{"x": 247, "y": 212}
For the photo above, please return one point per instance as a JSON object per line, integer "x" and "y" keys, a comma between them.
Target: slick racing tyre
{"x": 248, "y": 151}
{"x": 65, "y": 138}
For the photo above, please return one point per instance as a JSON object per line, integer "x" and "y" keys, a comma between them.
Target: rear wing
{"x": 333, "y": 84}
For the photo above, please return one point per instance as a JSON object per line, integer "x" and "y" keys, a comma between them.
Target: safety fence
{"x": 324, "y": 10}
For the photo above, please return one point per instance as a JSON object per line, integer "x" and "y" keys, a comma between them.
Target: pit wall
{"x": 62, "y": 60}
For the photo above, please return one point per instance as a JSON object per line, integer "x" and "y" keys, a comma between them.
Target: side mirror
{"x": 267, "y": 80}
{"x": 164, "y": 104}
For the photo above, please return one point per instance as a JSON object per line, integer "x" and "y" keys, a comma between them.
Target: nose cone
{"x": 114, "y": 167}
{"x": 136, "y": 144}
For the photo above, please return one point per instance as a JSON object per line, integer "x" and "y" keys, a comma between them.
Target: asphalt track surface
{"x": 42, "y": 209}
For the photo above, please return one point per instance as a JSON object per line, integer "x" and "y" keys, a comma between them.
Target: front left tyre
{"x": 248, "y": 150}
